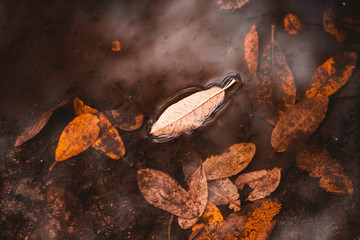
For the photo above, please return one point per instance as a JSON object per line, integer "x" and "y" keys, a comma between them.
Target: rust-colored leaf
{"x": 116, "y": 46}
{"x": 162, "y": 191}
{"x": 223, "y": 191}
{"x": 125, "y": 120}
{"x": 330, "y": 23}
{"x": 319, "y": 163}
{"x": 260, "y": 223}
{"x": 251, "y": 49}
{"x": 212, "y": 214}
{"x": 231, "y": 162}
{"x": 263, "y": 182}
{"x": 81, "y": 108}
{"x": 77, "y": 136}
{"x": 299, "y": 121}
{"x": 332, "y": 75}
{"x": 231, "y": 4}
{"x": 276, "y": 85}
{"x": 292, "y": 24}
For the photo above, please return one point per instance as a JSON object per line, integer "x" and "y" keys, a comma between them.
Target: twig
{"x": 169, "y": 227}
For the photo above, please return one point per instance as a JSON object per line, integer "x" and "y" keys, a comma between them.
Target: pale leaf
{"x": 251, "y": 49}
{"x": 222, "y": 192}
{"x": 231, "y": 4}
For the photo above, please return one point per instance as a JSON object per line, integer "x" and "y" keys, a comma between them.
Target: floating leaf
{"x": 125, "y": 120}
{"x": 77, "y": 136}
{"x": 36, "y": 125}
{"x": 81, "y": 108}
{"x": 332, "y": 75}
{"x": 231, "y": 162}
{"x": 260, "y": 223}
{"x": 329, "y": 22}
{"x": 299, "y": 121}
{"x": 319, "y": 163}
{"x": 292, "y": 24}
{"x": 162, "y": 191}
{"x": 189, "y": 113}
{"x": 263, "y": 182}
{"x": 231, "y": 4}
{"x": 251, "y": 48}
{"x": 277, "y": 90}
{"x": 223, "y": 191}
{"x": 198, "y": 191}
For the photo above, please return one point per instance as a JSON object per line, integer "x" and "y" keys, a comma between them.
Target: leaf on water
{"x": 329, "y": 22}
{"x": 251, "y": 49}
{"x": 319, "y": 163}
{"x": 231, "y": 162}
{"x": 299, "y": 121}
{"x": 231, "y": 4}
{"x": 77, "y": 136}
{"x": 222, "y": 192}
{"x": 260, "y": 223}
{"x": 163, "y": 192}
{"x": 263, "y": 182}
{"x": 332, "y": 75}
{"x": 81, "y": 108}
{"x": 36, "y": 125}
{"x": 198, "y": 191}
{"x": 276, "y": 85}
{"x": 109, "y": 142}
{"x": 292, "y": 24}
{"x": 189, "y": 113}
{"x": 125, "y": 120}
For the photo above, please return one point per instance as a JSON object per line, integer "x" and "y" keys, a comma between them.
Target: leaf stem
{"x": 51, "y": 167}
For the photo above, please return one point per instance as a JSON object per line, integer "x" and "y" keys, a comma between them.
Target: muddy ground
{"x": 51, "y": 50}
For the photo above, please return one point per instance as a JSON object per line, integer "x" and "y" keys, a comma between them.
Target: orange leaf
{"x": 332, "y": 75}
{"x": 77, "y": 136}
{"x": 81, "y": 108}
{"x": 292, "y": 24}
{"x": 251, "y": 48}
{"x": 116, "y": 46}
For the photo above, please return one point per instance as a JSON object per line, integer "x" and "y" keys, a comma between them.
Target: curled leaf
{"x": 299, "y": 121}
{"x": 329, "y": 22}
{"x": 251, "y": 48}
{"x": 223, "y": 191}
{"x": 163, "y": 192}
{"x": 319, "y": 163}
{"x": 332, "y": 75}
{"x": 292, "y": 24}
{"x": 263, "y": 182}
{"x": 231, "y": 4}
{"x": 231, "y": 162}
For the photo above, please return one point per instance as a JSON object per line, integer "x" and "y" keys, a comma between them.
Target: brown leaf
{"x": 125, "y": 120}
{"x": 188, "y": 113}
{"x": 231, "y": 162}
{"x": 198, "y": 191}
{"x": 330, "y": 23}
{"x": 162, "y": 191}
{"x": 277, "y": 90}
{"x": 231, "y": 4}
{"x": 77, "y": 136}
{"x": 251, "y": 49}
{"x": 36, "y": 125}
{"x": 332, "y": 75}
{"x": 299, "y": 121}
{"x": 292, "y": 24}
{"x": 319, "y": 163}
{"x": 263, "y": 182}
{"x": 223, "y": 191}
{"x": 260, "y": 223}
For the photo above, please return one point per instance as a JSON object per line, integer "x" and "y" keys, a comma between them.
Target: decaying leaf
{"x": 292, "y": 24}
{"x": 77, "y": 136}
{"x": 163, "y": 192}
{"x": 125, "y": 120}
{"x": 332, "y": 75}
{"x": 231, "y": 4}
{"x": 189, "y": 113}
{"x": 260, "y": 223}
{"x": 319, "y": 163}
{"x": 81, "y": 108}
{"x": 223, "y": 191}
{"x": 198, "y": 191}
{"x": 330, "y": 23}
{"x": 263, "y": 182}
{"x": 251, "y": 49}
{"x": 231, "y": 162}
{"x": 299, "y": 121}
{"x": 35, "y": 125}
{"x": 276, "y": 85}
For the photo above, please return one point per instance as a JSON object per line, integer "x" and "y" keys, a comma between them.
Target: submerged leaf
{"x": 162, "y": 191}
{"x": 299, "y": 121}
{"x": 231, "y": 4}
{"x": 292, "y": 24}
{"x": 251, "y": 49}
{"x": 332, "y": 75}
{"x": 231, "y": 162}
{"x": 223, "y": 191}
{"x": 263, "y": 182}
{"x": 125, "y": 120}
{"x": 77, "y": 136}
{"x": 329, "y": 22}
{"x": 319, "y": 163}
{"x": 189, "y": 113}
